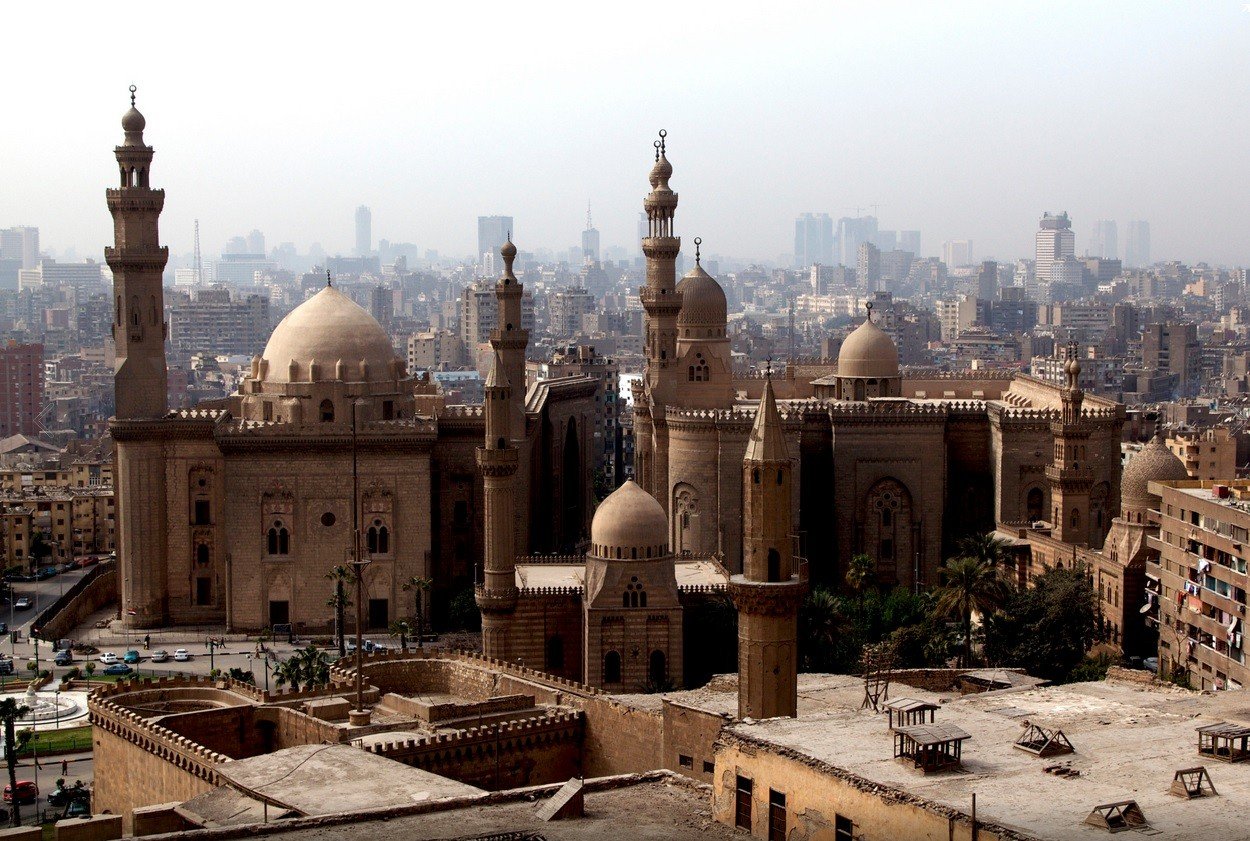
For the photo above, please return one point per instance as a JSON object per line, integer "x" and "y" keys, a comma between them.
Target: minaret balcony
{"x": 136, "y": 258}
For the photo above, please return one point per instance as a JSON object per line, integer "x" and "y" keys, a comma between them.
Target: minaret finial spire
{"x": 663, "y": 134}
{"x": 328, "y": 283}
{"x": 698, "y": 241}
{"x": 768, "y": 369}
{"x": 657, "y": 150}
{"x": 132, "y": 95}
{"x": 868, "y": 306}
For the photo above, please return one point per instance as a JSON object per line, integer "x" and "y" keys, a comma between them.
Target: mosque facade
{"x": 234, "y": 512}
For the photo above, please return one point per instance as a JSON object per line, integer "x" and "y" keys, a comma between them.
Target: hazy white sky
{"x": 962, "y": 119}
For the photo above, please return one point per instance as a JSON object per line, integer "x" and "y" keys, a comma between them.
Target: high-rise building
{"x": 868, "y": 266}
{"x": 20, "y": 244}
{"x": 909, "y": 241}
{"x": 82, "y": 277}
{"x": 492, "y": 233}
{"x": 590, "y": 240}
{"x": 567, "y": 307}
{"x": 1054, "y": 241}
{"x": 1174, "y": 348}
{"x": 1137, "y": 249}
{"x": 364, "y": 231}
{"x": 1104, "y": 242}
{"x": 957, "y": 252}
{"x": 852, "y": 232}
{"x": 213, "y": 323}
{"x": 813, "y": 239}
{"x": 21, "y": 389}
{"x": 987, "y": 281}
{"x": 255, "y": 242}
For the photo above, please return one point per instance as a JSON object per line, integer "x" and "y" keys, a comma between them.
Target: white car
{"x": 108, "y": 658}
{"x": 182, "y": 655}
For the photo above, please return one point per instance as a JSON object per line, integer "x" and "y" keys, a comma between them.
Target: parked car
{"x": 182, "y": 655}
{"x": 83, "y": 563}
{"x": 4, "y": 627}
{"x": 79, "y": 807}
{"x": 6, "y": 667}
{"x": 118, "y": 669}
{"x": 46, "y": 573}
{"x": 63, "y": 657}
{"x": 160, "y": 655}
{"x": 65, "y": 796}
{"x": 23, "y": 603}
{"x": 27, "y": 792}
{"x": 131, "y": 656}
{"x": 1151, "y": 664}
{"x": 108, "y": 658}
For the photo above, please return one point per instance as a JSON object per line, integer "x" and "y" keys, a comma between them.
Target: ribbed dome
{"x": 1155, "y": 463}
{"x": 660, "y": 173}
{"x": 629, "y": 519}
{"x": 702, "y": 301}
{"x": 868, "y": 352}
{"x": 327, "y": 328}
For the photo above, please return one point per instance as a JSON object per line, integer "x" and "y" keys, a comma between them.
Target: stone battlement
{"x": 343, "y": 674}
{"x": 569, "y": 721}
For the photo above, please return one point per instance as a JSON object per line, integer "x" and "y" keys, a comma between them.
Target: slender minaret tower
{"x": 509, "y": 339}
{"x": 137, "y": 260}
{"x": 1069, "y": 473}
{"x": 662, "y": 304}
{"x": 497, "y": 459}
{"x": 768, "y": 592}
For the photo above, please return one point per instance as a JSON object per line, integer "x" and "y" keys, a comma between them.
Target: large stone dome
{"x": 1155, "y": 463}
{"x": 630, "y": 525}
{"x": 328, "y": 328}
{"x": 702, "y": 301}
{"x": 868, "y": 352}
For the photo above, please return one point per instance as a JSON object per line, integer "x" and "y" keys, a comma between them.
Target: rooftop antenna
{"x": 199, "y": 264}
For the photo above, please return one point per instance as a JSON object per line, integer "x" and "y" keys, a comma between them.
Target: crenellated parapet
{"x": 346, "y": 674}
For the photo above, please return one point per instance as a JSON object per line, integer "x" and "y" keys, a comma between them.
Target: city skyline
{"x": 919, "y": 135}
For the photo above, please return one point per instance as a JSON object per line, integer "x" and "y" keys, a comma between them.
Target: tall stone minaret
{"x": 137, "y": 260}
{"x": 509, "y": 339}
{"x": 497, "y": 459}
{"x": 1069, "y": 473}
{"x": 768, "y": 592}
{"x": 662, "y": 303}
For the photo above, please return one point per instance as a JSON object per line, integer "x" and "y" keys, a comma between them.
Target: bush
{"x": 462, "y": 612}
{"x": 1090, "y": 669}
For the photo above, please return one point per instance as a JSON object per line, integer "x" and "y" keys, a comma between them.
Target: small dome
{"x": 329, "y": 326}
{"x": 629, "y": 519}
{"x": 868, "y": 352}
{"x": 661, "y": 172}
{"x": 133, "y": 121}
{"x": 1155, "y": 463}
{"x": 702, "y": 301}
{"x": 508, "y": 251}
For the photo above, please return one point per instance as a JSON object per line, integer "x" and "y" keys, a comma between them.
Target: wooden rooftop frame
{"x": 1193, "y": 782}
{"x": 1043, "y": 741}
{"x": 930, "y": 747}
{"x": 910, "y": 712}
{"x": 1224, "y": 741}
{"x": 1117, "y": 817}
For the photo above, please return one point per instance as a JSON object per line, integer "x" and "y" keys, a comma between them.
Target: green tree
{"x": 969, "y": 585}
{"x": 10, "y": 711}
{"x": 1047, "y": 628}
{"x": 987, "y": 547}
{"x": 828, "y": 640}
{"x": 419, "y": 587}
{"x": 341, "y": 576}
{"x": 400, "y": 629}
{"x": 306, "y": 668}
{"x": 861, "y": 572}
{"x": 90, "y": 671}
{"x": 462, "y": 612}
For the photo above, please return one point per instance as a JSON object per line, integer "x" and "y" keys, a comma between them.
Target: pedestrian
{"x": 64, "y": 767}
{"x": 147, "y": 641}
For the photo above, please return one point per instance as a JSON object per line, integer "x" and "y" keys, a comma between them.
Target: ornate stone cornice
{"x": 497, "y": 463}
{"x": 764, "y": 598}
{"x": 495, "y": 601}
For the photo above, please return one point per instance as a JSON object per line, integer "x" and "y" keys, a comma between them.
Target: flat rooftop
{"x": 1129, "y": 741}
{"x": 689, "y": 573}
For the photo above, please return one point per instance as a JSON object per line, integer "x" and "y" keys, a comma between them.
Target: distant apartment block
{"x": 813, "y": 239}
{"x": 436, "y": 349}
{"x": 1054, "y": 241}
{"x": 957, "y": 252}
{"x": 21, "y": 389}
{"x": 1209, "y": 454}
{"x": 215, "y": 323}
{"x": 492, "y": 233}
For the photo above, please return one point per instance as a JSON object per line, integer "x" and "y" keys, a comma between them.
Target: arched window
{"x": 625, "y": 598}
{"x": 612, "y": 667}
{"x": 780, "y": 475}
{"x": 1033, "y": 504}
{"x": 774, "y": 565}
{"x": 1076, "y": 518}
{"x": 378, "y": 538}
{"x": 327, "y": 411}
{"x": 201, "y": 553}
{"x": 642, "y": 598}
{"x": 657, "y": 669}
{"x": 278, "y": 539}
{"x": 755, "y": 475}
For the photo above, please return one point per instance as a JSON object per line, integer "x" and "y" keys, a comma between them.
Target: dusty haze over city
{"x": 964, "y": 120}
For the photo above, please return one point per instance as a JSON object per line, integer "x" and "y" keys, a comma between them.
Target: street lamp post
{"x": 359, "y": 716}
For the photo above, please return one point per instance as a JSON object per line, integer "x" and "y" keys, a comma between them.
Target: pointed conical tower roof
{"x": 767, "y": 441}
{"x": 497, "y": 377}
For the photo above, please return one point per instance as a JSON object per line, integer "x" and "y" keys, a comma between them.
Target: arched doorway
{"x": 657, "y": 669}
{"x": 612, "y": 667}
{"x": 887, "y": 521}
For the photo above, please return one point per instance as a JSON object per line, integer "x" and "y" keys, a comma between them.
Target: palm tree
{"x": 419, "y": 587}
{"x": 10, "y": 711}
{"x": 402, "y": 630}
{"x": 341, "y": 576}
{"x": 969, "y": 585}
{"x": 860, "y": 572}
{"x": 307, "y": 667}
{"x": 988, "y": 547}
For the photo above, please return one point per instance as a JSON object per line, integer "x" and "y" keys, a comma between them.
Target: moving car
{"x": 182, "y": 655}
{"x": 160, "y": 655}
{"x": 23, "y": 603}
{"x": 108, "y": 658}
{"x": 27, "y": 792}
{"x": 118, "y": 669}
{"x": 63, "y": 657}
{"x": 131, "y": 656}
